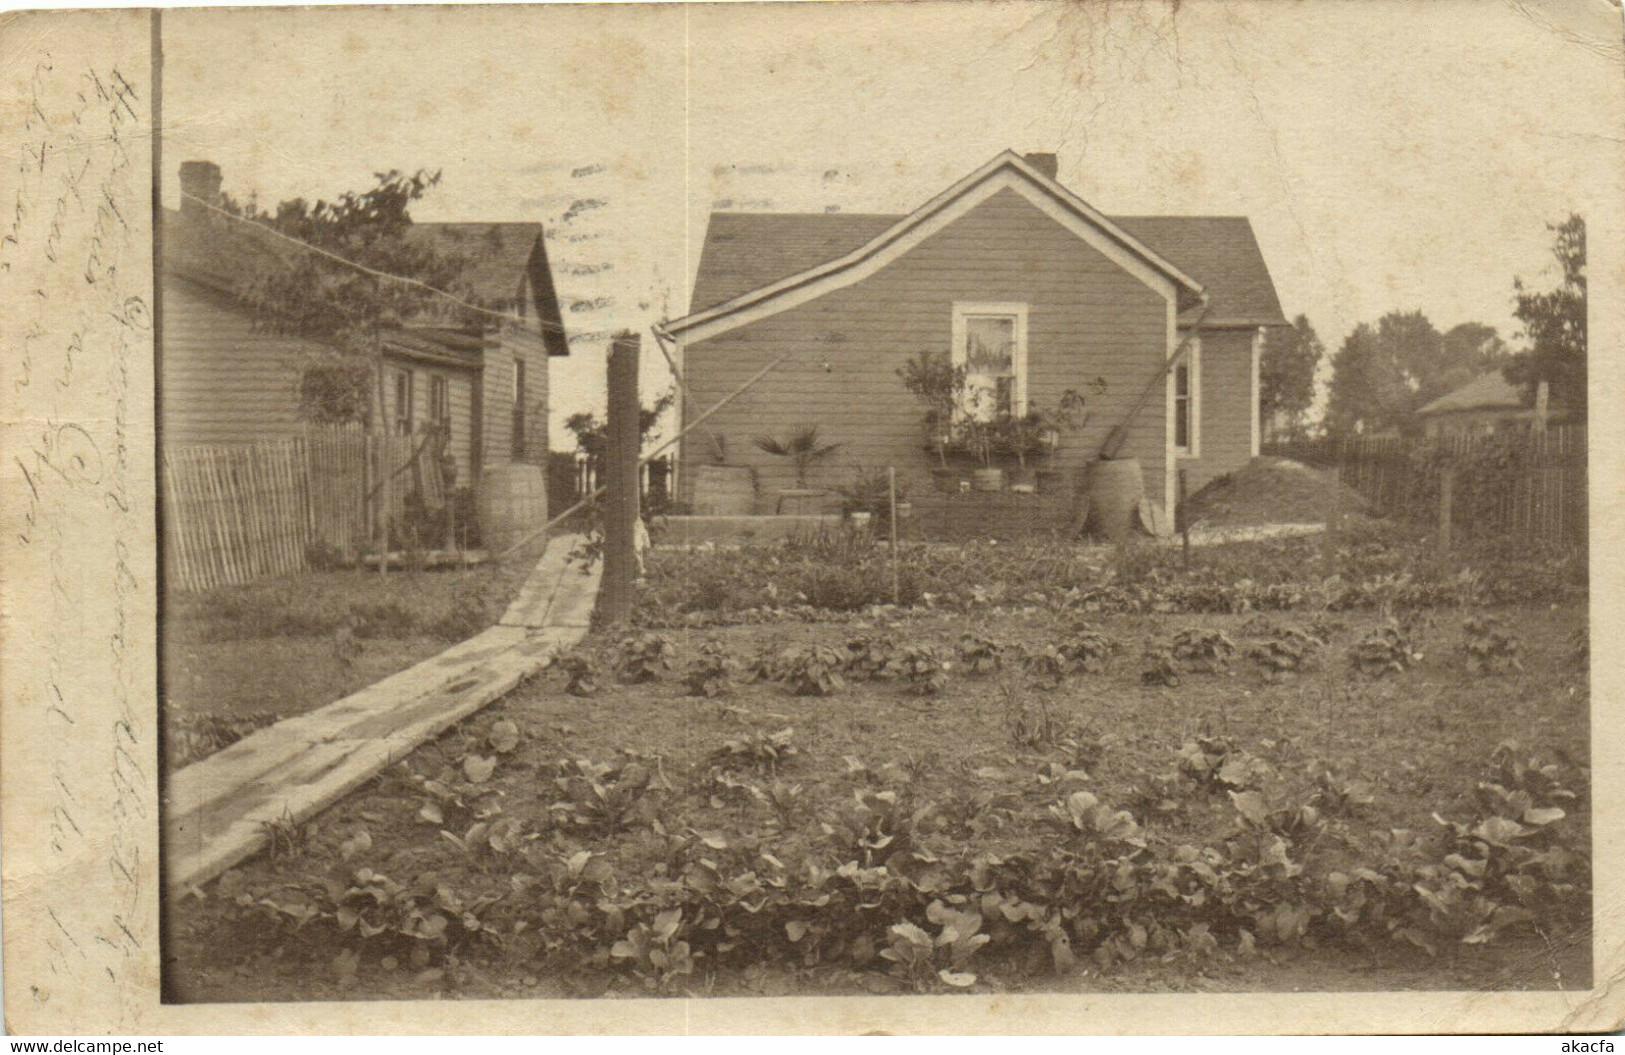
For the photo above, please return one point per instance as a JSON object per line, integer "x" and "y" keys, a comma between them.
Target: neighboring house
{"x": 1005, "y": 256}
{"x": 224, "y": 380}
{"x": 1486, "y": 404}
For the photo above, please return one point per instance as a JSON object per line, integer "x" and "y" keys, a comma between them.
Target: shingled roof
{"x": 1489, "y": 391}
{"x": 745, "y": 251}
{"x": 213, "y": 251}
{"x": 499, "y": 254}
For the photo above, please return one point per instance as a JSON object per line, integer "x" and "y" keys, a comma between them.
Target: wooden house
{"x": 225, "y": 379}
{"x": 1007, "y": 259}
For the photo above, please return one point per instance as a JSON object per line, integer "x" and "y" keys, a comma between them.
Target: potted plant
{"x": 937, "y": 384}
{"x": 1037, "y": 434}
{"x": 803, "y": 447}
{"x": 868, "y": 499}
{"x": 986, "y": 432}
{"x": 1021, "y": 436}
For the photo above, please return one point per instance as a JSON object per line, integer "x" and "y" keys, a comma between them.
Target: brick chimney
{"x": 1044, "y": 163}
{"x": 199, "y": 179}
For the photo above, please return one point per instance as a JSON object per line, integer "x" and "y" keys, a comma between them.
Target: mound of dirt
{"x": 1272, "y": 491}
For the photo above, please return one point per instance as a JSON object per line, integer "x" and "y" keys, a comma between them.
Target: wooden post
{"x": 620, "y": 511}
{"x": 1447, "y": 488}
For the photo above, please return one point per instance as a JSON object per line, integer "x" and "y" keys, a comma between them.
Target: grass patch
{"x": 447, "y": 604}
{"x": 240, "y": 657}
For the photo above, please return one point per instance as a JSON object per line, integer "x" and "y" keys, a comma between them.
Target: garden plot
{"x": 1136, "y": 781}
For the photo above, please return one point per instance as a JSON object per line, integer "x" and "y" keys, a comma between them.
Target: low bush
{"x": 712, "y": 671}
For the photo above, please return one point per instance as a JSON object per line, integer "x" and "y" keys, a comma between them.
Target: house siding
{"x": 1226, "y": 407}
{"x": 1484, "y": 420}
{"x": 1087, "y": 317}
{"x": 516, "y": 344}
{"x": 222, "y": 381}
{"x": 459, "y": 399}
{"x": 225, "y": 382}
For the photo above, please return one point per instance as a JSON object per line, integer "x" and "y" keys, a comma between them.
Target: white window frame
{"x": 1193, "y": 361}
{"x": 964, "y": 310}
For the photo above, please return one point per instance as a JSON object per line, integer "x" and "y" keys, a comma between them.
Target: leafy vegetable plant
{"x": 1489, "y": 648}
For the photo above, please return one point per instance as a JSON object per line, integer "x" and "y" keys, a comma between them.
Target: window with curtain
{"x": 990, "y": 343}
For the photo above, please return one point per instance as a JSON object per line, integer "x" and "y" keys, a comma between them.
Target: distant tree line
{"x": 1385, "y": 372}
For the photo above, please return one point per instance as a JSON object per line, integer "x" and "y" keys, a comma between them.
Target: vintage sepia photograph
{"x": 647, "y": 527}
{"x": 764, "y": 500}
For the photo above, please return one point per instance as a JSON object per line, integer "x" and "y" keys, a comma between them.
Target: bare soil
{"x": 1420, "y": 737}
{"x": 1274, "y": 491}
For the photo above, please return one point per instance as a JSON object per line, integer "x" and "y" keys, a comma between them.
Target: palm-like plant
{"x": 801, "y": 446}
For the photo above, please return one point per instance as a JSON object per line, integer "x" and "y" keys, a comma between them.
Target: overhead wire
{"x": 542, "y": 326}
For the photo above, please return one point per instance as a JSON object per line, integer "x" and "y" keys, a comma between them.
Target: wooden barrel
{"x": 513, "y": 503}
{"x": 724, "y": 490}
{"x": 1116, "y": 486}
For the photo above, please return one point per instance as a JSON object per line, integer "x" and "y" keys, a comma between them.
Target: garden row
{"x": 1278, "y": 650}
{"x": 898, "y": 891}
{"x": 1368, "y": 566}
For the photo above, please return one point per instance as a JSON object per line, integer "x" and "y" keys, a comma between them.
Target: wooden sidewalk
{"x": 218, "y": 810}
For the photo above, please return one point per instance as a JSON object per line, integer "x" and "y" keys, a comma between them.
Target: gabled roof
{"x": 499, "y": 254}
{"x": 506, "y": 260}
{"x": 1222, "y": 254}
{"x": 744, "y": 251}
{"x": 505, "y": 256}
{"x": 778, "y": 288}
{"x": 1489, "y": 391}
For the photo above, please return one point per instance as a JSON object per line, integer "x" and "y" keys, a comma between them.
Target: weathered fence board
{"x": 1527, "y": 484}
{"x": 234, "y": 514}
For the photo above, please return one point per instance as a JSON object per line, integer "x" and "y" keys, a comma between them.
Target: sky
{"x": 1391, "y": 156}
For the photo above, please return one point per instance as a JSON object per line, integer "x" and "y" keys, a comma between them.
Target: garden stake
{"x": 891, "y": 488}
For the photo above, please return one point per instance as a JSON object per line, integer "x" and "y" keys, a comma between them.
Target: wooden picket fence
{"x": 1527, "y": 484}
{"x": 234, "y": 514}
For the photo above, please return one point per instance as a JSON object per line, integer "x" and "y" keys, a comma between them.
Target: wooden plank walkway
{"x": 217, "y": 811}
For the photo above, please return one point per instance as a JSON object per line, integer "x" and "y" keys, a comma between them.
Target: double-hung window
{"x": 990, "y": 343}
{"x": 518, "y": 446}
{"x": 403, "y": 402}
{"x": 439, "y": 401}
{"x": 1187, "y": 401}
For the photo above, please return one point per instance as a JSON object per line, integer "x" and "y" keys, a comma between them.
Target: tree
{"x": 592, "y": 433}
{"x": 1368, "y": 389}
{"x": 1286, "y": 373}
{"x": 1384, "y": 374}
{"x": 1554, "y": 324}
{"x": 1465, "y": 352}
{"x": 346, "y": 309}
{"x": 1414, "y": 345}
